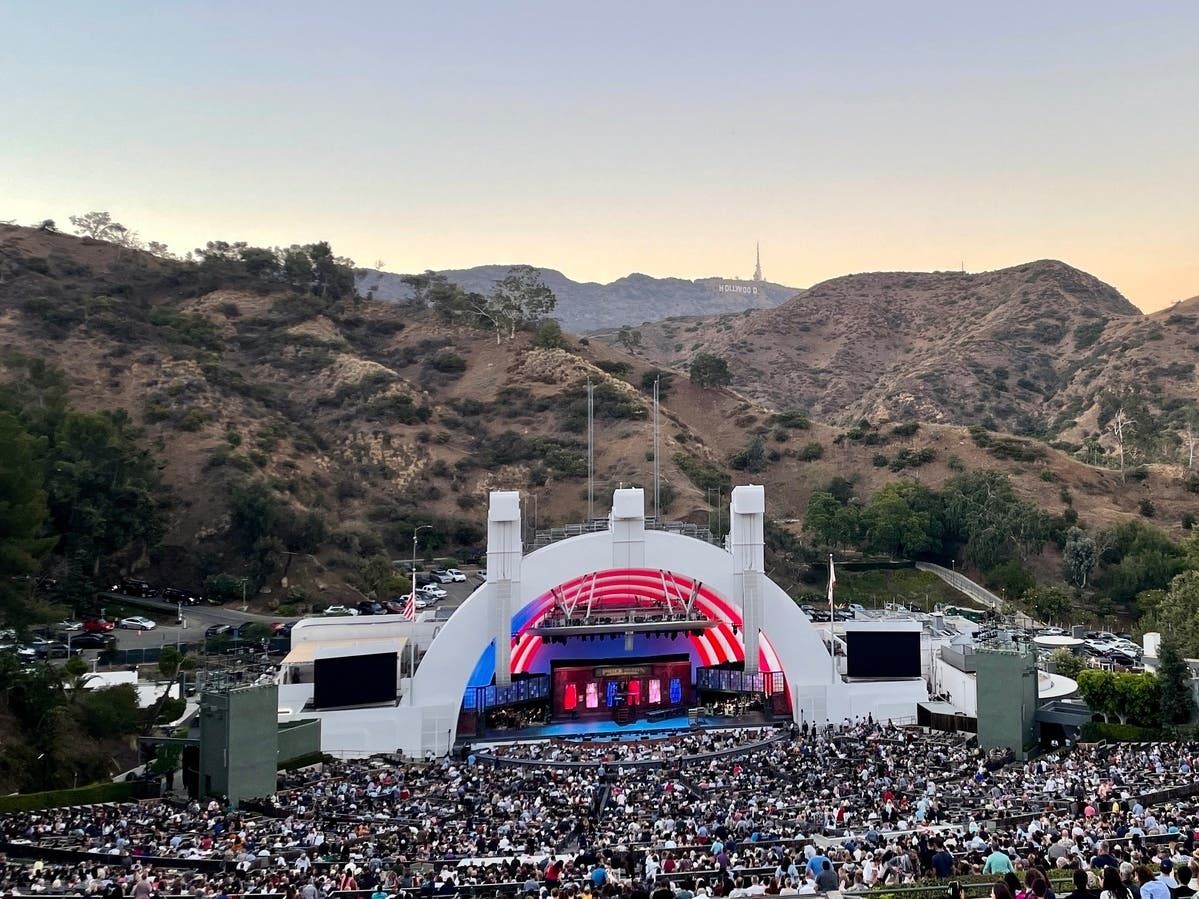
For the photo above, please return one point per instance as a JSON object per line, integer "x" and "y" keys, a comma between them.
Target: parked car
{"x": 441, "y": 576}
{"x": 367, "y": 607}
{"x": 52, "y": 649}
{"x": 456, "y": 576}
{"x": 137, "y": 623}
{"x": 25, "y": 653}
{"x": 339, "y": 610}
{"x": 395, "y": 606}
{"x": 92, "y": 641}
{"x": 431, "y": 591}
{"x": 69, "y": 625}
{"x": 131, "y": 587}
{"x": 218, "y": 630}
{"x": 856, "y": 608}
{"x": 421, "y": 602}
{"x": 97, "y": 625}
{"x": 481, "y": 574}
{"x": 182, "y": 597}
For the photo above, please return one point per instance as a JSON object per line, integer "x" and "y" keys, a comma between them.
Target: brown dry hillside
{"x": 377, "y": 416}
{"x": 1031, "y": 349}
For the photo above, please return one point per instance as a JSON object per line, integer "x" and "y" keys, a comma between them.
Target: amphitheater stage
{"x": 603, "y": 729}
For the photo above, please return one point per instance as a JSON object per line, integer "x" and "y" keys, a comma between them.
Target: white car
{"x": 456, "y": 576}
{"x": 69, "y": 625}
{"x": 340, "y": 610}
{"x": 431, "y": 591}
{"x": 136, "y": 623}
{"x": 422, "y": 603}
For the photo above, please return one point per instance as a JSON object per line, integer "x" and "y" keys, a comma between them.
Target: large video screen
{"x": 882, "y": 653}
{"x": 354, "y": 680}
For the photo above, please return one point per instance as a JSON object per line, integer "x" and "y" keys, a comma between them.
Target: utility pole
{"x": 657, "y": 462}
{"x": 590, "y": 452}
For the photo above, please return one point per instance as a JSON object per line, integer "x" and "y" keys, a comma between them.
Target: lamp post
{"x": 415, "y": 532}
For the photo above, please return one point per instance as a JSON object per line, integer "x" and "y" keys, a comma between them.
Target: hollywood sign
{"x": 737, "y": 288}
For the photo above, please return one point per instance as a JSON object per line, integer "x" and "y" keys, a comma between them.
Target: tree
{"x": 1135, "y": 557}
{"x": 48, "y": 226}
{"x": 829, "y": 522}
{"x": 1079, "y": 556}
{"x": 1098, "y": 691}
{"x": 23, "y": 514}
{"x": 103, "y": 488}
{"x": 98, "y": 225}
{"x": 1174, "y": 679}
{"x": 520, "y": 297}
{"x": 665, "y": 381}
{"x": 1177, "y": 614}
{"x": 333, "y": 276}
{"x": 1048, "y": 603}
{"x": 983, "y": 512}
{"x": 896, "y": 522}
{"x": 708, "y": 370}
{"x": 254, "y": 513}
{"x": 297, "y": 268}
{"x": 753, "y": 457}
{"x": 628, "y": 338}
{"x": 1137, "y": 699}
{"x": 549, "y": 336}
{"x": 1122, "y": 428}
{"x": 260, "y": 262}
{"x": 1066, "y": 663}
{"x": 380, "y": 579}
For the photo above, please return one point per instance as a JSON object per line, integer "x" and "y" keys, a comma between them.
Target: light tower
{"x": 758, "y": 264}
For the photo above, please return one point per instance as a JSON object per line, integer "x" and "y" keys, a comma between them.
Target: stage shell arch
{"x": 464, "y": 652}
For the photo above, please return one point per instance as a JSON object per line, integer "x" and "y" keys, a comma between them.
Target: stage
{"x": 603, "y": 729}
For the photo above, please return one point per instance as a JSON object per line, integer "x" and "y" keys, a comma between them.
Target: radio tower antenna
{"x": 758, "y": 264}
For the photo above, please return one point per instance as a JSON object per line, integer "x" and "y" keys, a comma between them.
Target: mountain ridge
{"x": 584, "y": 306}
{"x": 1018, "y": 349}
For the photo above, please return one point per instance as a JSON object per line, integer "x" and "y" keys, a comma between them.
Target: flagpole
{"x": 832, "y": 638}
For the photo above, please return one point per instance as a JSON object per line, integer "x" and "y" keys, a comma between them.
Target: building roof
{"x": 310, "y": 651}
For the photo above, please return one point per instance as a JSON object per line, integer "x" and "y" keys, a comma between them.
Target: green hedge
{"x": 1097, "y": 731}
{"x": 105, "y": 792}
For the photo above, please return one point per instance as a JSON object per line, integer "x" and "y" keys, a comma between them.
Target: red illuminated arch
{"x": 618, "y": 587}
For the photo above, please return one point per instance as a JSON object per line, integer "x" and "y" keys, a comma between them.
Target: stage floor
{"x": 610, "y": 730}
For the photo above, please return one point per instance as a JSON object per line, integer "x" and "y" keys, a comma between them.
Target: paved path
{"x": 963, "y": 584}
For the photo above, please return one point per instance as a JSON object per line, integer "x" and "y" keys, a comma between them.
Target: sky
{"x": 607, "y": 138}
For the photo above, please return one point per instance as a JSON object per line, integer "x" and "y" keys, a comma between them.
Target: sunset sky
{"x": 606, "y": 138}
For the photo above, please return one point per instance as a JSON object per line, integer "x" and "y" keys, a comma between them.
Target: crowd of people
{"x": 855, "y": 807}
{"x": 672, "y": 746}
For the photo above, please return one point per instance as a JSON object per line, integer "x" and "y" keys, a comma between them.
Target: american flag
{"x": 410, "y": 606}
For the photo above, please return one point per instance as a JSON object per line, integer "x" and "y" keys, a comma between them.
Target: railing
{"x": 728, "y": 680}
{"x": 546, "y": 536}
{"x": 493, "y": 697}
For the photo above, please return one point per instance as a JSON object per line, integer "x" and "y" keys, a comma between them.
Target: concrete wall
{"x": 960, "y": 686}
{"x": 239, "y": 742}
{"x": 1007, "y": 698}
{"x": 298, "y": 738}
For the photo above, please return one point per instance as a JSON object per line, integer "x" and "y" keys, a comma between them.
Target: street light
{"x": 415, "y": 532}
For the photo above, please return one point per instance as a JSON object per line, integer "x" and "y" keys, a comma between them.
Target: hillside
{"x": 359, "y": 419}
{"x": 1027, "y": 349}
{"x": 586, "y": 306}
